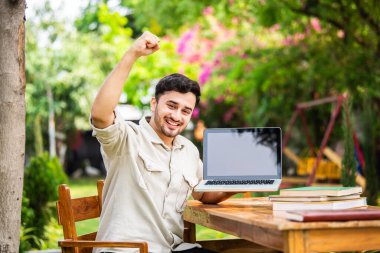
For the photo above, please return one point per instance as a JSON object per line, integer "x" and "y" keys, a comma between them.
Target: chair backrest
{"x": 71, "y": 210}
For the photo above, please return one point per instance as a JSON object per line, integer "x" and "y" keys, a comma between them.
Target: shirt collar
{"x": 154, "y": 138}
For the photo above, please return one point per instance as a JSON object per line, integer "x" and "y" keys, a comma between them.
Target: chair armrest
{"x": 143, "y": 246}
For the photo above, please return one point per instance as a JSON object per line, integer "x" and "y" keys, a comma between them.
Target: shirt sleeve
{"x": 112, "y": 137}
{"x": 200, "y": 171}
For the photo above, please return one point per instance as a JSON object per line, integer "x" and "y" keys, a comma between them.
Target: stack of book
{"x": 295, "y": 203}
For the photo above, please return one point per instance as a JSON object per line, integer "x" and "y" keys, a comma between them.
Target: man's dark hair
{"x": 179, "y": 83}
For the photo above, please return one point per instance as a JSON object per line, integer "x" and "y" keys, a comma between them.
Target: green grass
{"x": 81, "y": 188}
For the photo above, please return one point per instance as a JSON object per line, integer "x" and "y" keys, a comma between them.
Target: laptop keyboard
{"x": 239, "y": 182}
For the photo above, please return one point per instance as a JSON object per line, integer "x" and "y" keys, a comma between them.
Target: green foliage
{"x": 42, "y": 177}
{"x": 54, "y": 233}
{"x": 41, "y": 180}
{"x": 27, "y": 239}
{"x": 30, "y": 241}
{"x": 91, "y": 20}
{"x": 27, "y": 213}
{"x": 269, "y": 13}
{"x": 168, "y": 14}
{"x": 348, "y": 162}
{"x": 115, "y": 34}
{"x": 114, "y": 22}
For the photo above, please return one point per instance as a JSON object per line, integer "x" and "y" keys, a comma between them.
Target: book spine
{"x": 342, "y": 217}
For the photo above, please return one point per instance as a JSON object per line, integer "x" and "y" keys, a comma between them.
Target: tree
{"x": 12, "y": 123}
{"x": 256, "y": 59}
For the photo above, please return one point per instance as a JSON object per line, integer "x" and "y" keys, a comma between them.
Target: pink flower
{"x": 315, "y": 24}
{"x": 193, "y": 58}
{"x": 288, "y": 41}
{"x": 183, "y": 41}
{"x": 299, "y": 36}
{"x": 218, "y": 57}
{"x": 229, "y": 114}
{"x": 293, "y": 40}
{"x": 234, "y": 50}
{"x": 208, "y": 10}
{"x": 219, "y": 99}
{"x": 205, "y": 74}
{"x": 244, "y": 56}
{"x": 195, "y": 114}
{"x": 274, "y": 28}
{"x": 209, "y": 44}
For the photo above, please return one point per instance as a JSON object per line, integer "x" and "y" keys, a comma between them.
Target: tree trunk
{"x": 12, "y": 121}
{"x": 52, "y": 145}
{"x": 38, "y": 140}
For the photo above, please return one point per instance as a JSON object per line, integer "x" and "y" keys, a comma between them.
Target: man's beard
{"x": 163, "y": 129}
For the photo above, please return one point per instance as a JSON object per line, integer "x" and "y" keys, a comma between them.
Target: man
{"x": 151, "y": 169}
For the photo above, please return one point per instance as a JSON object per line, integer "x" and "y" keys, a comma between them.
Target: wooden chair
{"x": 72, "y": 210}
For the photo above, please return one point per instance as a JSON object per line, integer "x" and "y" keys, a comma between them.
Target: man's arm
{"x": 102, "y": 112}
{"x": 212, "y": 197}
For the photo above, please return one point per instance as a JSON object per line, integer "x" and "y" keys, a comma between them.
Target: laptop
{"x": 241, "y": 160}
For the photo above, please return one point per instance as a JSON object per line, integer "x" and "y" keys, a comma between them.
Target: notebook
{"x": 241, "y": 159}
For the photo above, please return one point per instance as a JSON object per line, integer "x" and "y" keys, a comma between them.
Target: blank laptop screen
{"x": 242, "y": 153}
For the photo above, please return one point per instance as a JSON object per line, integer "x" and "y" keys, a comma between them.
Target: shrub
{"x": 41, "y": 180}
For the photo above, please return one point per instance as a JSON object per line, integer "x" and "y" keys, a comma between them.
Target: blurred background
{"x": 255, "y": 61}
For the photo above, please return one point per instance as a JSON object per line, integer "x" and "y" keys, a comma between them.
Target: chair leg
{"x": 189, "y": 234}
{"x": 67, "y": 250}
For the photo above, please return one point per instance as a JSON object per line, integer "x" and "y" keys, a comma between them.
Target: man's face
{"x": 171, "y": 113}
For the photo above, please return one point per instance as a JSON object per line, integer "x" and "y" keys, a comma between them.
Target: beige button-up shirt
{"x": 146, "y": 187}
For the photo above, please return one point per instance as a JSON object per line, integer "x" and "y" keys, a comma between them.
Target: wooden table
{"x": 252, "y": 219}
